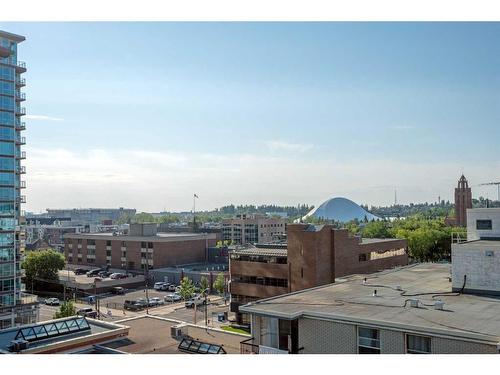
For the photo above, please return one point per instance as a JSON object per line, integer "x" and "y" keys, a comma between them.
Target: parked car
{"x": 134, "y": 305}
{"x": 87, "y": 312}
{"x": 80, "y": 271}
{"x": 93, "y": 273}
{"x": 172, "y": 288}
{"x": 172, "y": 297}
{"x": 104, "y": 274}
{"x": 52, "y": 301}
{"x": 155, "y": 301}
{"x": 117, "y": 275}
{"x": 190, "y": 303}
{"x": 159, "y": 285}
{"x": 118, "y": 290}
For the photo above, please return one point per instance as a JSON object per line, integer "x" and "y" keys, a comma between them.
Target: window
{"x": 302, "y": 272}
{"x": 362, "y": 258}
{"x": 108, "y": 243}
{"x": 368, "y": 341}
{"x": 483, "y": 224}
{"x": 418, "y": 344}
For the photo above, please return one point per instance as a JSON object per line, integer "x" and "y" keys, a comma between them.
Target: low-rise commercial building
{"x": 313, "y": 256}
{"x": 256, "y": 228}
{"x": 142, "y": 248}
{"x": 410, "y": 309}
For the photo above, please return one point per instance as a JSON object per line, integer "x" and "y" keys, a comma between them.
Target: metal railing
{"x": 247, "y": 347}
{"x": 21, "y": 169}
{"x": 21, "y": 82}
{"x": 20, "y": 111}
{"x": 21, "y": 125}
{"x": 21, "y": 140}
{"x": 20, "y": 95}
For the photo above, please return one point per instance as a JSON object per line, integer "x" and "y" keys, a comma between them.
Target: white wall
{"x": 471, "y": 259}
{"x": 474, "y": 214}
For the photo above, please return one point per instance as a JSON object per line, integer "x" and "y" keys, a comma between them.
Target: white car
{"x": 52, "y": 301}
{"x": 159, "y": 285}
{"x": 155, "y": 301}
{"x": 172, "y": 297}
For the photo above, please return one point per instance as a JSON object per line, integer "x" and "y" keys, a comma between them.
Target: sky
{"x": 143, "y": 115}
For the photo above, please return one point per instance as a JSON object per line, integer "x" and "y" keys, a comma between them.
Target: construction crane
{"x": 493, "y": 183}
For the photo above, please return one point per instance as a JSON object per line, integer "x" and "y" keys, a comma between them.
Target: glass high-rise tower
{"x": 16, "y": 307}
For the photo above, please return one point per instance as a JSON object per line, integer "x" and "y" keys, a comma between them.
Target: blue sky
{"x": 144, "y": 114}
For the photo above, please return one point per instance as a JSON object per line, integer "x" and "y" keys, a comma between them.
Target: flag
{"x": 195, "y": 196}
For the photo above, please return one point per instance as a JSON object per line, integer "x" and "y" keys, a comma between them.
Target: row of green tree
{"x": 429, "y": 239}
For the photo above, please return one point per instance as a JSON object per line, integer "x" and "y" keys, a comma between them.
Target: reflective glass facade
{"x": 11, "y": 112}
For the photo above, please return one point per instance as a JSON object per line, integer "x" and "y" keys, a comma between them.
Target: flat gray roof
{"x": 377, "y": 240}
{"x": 464, "y": 315}
{"x": 258, "y": 251}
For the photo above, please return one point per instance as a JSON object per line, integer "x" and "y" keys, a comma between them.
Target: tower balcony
{"x": 20, "y": 67}
{"x": 20, "y": 82}
{"x": 21, "y": 155}
{"x": 21, "y": 199}
{"x": 20, "y": 140}
{"x": 21, "y": 169}
{"x": 20, "y": 111}
{"x": 21, "y": 125}
{"x": 20, "y": 96}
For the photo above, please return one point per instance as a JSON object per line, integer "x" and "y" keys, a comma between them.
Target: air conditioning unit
{"x": 413, "y": 302}
{"x": 178, "y": 331}
{"x": 18, "y": 345}
{"x": 438, "y": 305}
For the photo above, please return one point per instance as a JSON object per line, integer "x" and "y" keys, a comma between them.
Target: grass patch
{"x": 235, "y": 330}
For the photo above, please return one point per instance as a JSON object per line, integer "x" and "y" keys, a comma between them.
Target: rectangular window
{"x": 362, "y": 258}
{"x": 108, "y": 243}
{"x": 418, "y": 344}
{"x": 368, "y": 341}
{"x": 483, "y": 224}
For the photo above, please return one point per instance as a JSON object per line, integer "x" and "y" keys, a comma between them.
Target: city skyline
{"x": 258, "y": 113}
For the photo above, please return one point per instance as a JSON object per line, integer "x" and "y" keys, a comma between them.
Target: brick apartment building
{"x": 141, "y": 246}
{"x": 256, "y": 228}
{"x": 313, "y": 256}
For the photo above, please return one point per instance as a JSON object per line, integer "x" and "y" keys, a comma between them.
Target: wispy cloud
{"x": 287, "y": 146}
{"x": 156, "y": 179}
{"x": 43, "y": 118}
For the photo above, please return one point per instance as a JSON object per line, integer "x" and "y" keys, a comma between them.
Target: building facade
{"x": 14, "y": 308}
{"x": 476, "y": 262}
{"x": 463, "y": 201}
{"x": 313, "y": 256}
{"x": 139, "y": 250}
{"x": 92, "y": 215}
{"x": 390, "y": 312}
{"x": 244, "y": 229}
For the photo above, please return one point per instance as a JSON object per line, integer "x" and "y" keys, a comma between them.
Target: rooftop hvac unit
{"x": 438, "y": 305}
{"x": 177, "y": 331}
{"x": 413, "y": 302}
{"x": 18, "y": 345}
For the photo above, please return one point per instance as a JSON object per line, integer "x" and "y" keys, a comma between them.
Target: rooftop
{"x": 259, "y": 251}
{"x": 464, "y": 315}
{"x": 13, "y": 37}
{"x": 58, "y": 333}
{"x": 152, "y": 335}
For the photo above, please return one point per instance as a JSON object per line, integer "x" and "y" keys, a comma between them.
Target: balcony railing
{"x": 248, "y": 347}
{"x": 22, "y": 184}
{"x": 20, "y": 96}
{"x": 21, "y": 199}
{"x": 21, "y": 125}
{"x": 21, "y": 82}
{"x": 21, "y": 140}
{"x": 21, "y": 155}
{"x": 20, "y": 111}
{"x": 21, "y": 169}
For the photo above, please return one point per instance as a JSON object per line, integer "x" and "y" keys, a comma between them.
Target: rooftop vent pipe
{"x": 375, "y": 293}
{"x": 438, "y": 305}
{"x": 413, "y": 302}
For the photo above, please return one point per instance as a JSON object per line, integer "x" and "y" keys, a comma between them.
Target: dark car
{"x": 87, "y": 312}
{"x": 93, "y": 273}
{"x": 104, "y": 274}
{"x": 80, "y": 271}
{"x": 118, "y": 290}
